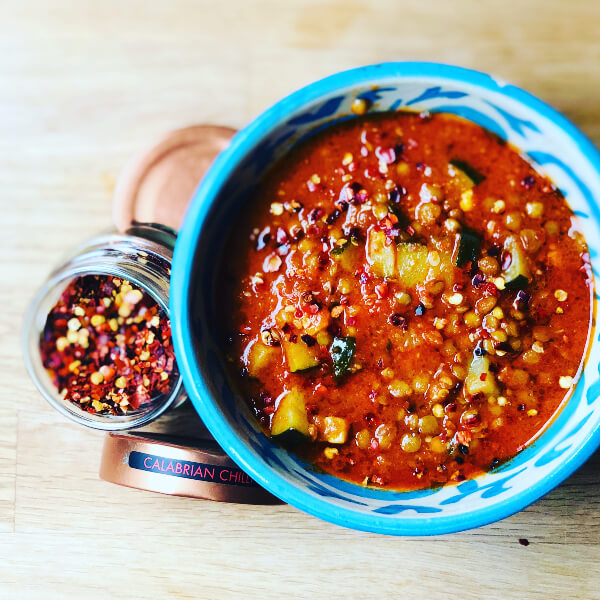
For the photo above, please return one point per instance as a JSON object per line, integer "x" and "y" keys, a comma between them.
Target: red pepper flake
{"x": 490, "y": 288}
{"x": 386, "y": 223}
{"x": 477, "y": 280}
{"x": 371, "y": 173}
{"x": 281, "y": 236}
{"x": 323, "y": 259}
{"x": 399, "y": 321}
{"x": 386, "y": 155}
{"x": 381, "y": 290}
{"x": 315, "y": 214}
{"x": 117, "y": 353}
{"x": 313, "y": 308}
{"x": 483, "y": 376}
{"x": 528, "y": 182}
{"x": 464, "y": 437}
{"x": 264, "y": 237}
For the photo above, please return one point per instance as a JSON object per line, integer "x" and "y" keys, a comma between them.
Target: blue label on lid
{"x": 189, "y": 469}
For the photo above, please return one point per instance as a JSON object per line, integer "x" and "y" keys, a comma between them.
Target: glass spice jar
{"x": 142, "y": 256}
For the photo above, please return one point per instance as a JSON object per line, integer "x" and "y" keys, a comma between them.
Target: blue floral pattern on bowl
{"x": 556, "y": 147}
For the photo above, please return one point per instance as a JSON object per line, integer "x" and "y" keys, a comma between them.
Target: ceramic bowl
{"x": 549, "y": 140}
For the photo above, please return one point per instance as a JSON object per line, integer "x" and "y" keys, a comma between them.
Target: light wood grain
{"x": 83, "y": 85}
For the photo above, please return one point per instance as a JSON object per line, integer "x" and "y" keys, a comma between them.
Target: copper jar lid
{"x": 179, "y": 467}
{"x": 157, "y": 184}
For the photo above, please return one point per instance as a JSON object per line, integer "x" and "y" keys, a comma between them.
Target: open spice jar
{"x": 97, "y": 339}
{"x": 97, "y": 336}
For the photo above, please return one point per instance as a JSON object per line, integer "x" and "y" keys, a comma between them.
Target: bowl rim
{"x": 183, "y": 261}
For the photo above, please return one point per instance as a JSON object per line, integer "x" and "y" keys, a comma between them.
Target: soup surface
{"x": 408, "y": 300}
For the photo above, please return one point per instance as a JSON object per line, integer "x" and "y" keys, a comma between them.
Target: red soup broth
{"x": 406, "y": 300}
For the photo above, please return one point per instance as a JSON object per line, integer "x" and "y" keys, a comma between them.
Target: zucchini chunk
{"x": 414, "y": 267}
{"x": 469, "y": 244}
{"x": 257, "y": 357}
{"x": 290, "y": 422}
{"x": 380, "y": 256}
{"x": 412, "y": 264}
{"x": 299, "y": 356}
{"x": 346, "y": 256}
{"x": 335, "y": 430}
{"x": 480, "y": 380}
{"x": 467, "y": 172}
{"x": 516, "y": 276}
{"x": 342, "y": 351}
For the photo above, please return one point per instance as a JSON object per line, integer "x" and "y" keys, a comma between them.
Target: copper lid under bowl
{"x": 179, "y": 467}
{"x": 157, "y": 184}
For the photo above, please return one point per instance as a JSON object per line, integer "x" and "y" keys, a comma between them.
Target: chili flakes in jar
{"x": 107, "y": 346}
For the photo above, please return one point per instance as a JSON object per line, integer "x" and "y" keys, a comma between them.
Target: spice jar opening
{"x": 149, "y": 283}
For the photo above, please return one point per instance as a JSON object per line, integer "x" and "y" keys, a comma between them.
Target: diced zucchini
{"x": 290, "y": 422}
{"x": 480, "y": 380}
{"x": 407, "y": 263}
{"x": 299, "y": 356}
{"x": 342, "y": 351}
{"x": 466, "y": 172}
{"x": 347, "y": 256}
{"x": 257, "y": 357}
{"x": 516, "y": 276}
{"x": 469, "y": 244}
{"x": 335, "y": 430}
{"x": 380, "y": 256}
{"x": 412, "y": 264}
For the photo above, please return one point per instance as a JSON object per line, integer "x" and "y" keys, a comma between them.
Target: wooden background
{"x": 85, "y": 84}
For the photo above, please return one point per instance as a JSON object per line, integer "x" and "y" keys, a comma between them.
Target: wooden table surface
{"x": 85, "y": 84}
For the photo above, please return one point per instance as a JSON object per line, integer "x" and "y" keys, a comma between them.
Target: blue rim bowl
{"x": 548, "y": 139}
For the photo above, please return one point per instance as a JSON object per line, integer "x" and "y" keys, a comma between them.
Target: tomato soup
{"x": 407, "y": 301}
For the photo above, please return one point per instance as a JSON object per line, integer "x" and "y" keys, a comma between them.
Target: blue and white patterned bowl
{"x": 547, "y": 138}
